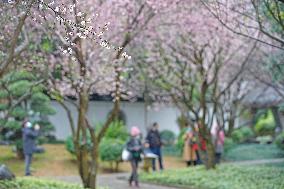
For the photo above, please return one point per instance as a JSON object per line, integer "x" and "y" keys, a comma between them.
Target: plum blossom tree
{"x": 91, "y": 41}
{"x": 13, "y": 34}
{"x": 192, "y": 63}
{"x": 261, "y": 20}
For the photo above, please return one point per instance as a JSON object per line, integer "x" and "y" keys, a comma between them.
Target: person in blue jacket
{"x": 29, "y": 143}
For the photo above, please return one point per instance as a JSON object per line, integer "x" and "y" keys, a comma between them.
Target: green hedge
{"x": 253, "y": 152}
{"x": 117, "y": 130}
{"x": 33, "y": 183}
{"x": 224, "y": 177}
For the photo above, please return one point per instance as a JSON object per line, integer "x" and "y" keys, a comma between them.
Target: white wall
{"x": 135, "y": 116}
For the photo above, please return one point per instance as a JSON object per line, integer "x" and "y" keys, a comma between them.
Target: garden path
{"x": 111, "y": 181}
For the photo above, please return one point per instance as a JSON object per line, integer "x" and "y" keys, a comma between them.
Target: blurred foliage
{"x": 274, "y": 12}
{"x": 242, "y": 134}
{"x": 224, "y": 177}
{"x": 180, "y": 141}
{"x": 110, "y": 148}
{"x": 182, "y": 121}
{"x": 168, "y": 137}
{"x": 265, "y": 124}
{"x": 243, "y": 152}
{"x": 229, "y": 144}
{"x": 22, "y": 86}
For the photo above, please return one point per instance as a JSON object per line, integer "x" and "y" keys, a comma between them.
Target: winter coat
{"x": 29, "y": 138}
{"x": 154, "y": 139}
{"x": 134, "y": 146}
{"x": 189, "y": 152}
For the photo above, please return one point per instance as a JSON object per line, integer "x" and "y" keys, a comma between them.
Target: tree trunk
{"x": 93, "y": 170}
{"x": 81, "y": 139}
{"x": 231, "y": 126}
{"x": 277, "y": 118}
{"x": 210, "y": 163}
{"x": 83, "y": 165}
{"x": 116, "y": 166}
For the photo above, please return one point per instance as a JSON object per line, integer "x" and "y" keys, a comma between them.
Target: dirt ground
{"x": 56, "y": 161}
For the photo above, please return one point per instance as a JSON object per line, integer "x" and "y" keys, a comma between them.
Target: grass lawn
{"x": 224, "y": 177}
{"x": 56, "y": 161}
{"x": 253, "y": 152}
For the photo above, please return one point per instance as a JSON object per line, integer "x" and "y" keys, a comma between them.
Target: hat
{"x": 134, "y": 131}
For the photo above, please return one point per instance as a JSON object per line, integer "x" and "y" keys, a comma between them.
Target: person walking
{"x": 29, "y": 137}
{"x": 219, "y": 139}
{"x": 154, "y": 140}
{"x": 189, "y": 150}
{"x": 135, "y": 147}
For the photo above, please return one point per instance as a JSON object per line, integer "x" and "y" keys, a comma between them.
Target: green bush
{"x": 224, "y": 177}
{"x": 69, "y": 145}
{"x": 32, "y": 183}
{"x": 117, "y": 130}
{"x": 229, "y": 144}
{"x": 242, "y": 134}
{"x": 110, "y": 149}
{"x": 237, "y": 136}
{"x": 242, "y": 152}
{"x": 168, "y": 137}
{"x": 265, "y": 125}
{"x": 280, "y": 141}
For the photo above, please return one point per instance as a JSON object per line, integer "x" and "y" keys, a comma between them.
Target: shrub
{"x": 237, "y": 136}
{"x": 168, "y": 137}
{"x": 69, "y": 145}
{"x": 253, "y": 152}
{"x": 110, "y": 151}
{"x": 265, "y": 125}
{"x": 115, "y": 131}
{"x": 229, "y": 144}
{"x": 247, "y": 132}
{"x": 280, "y": 141}
{"x": 242, "y": 134}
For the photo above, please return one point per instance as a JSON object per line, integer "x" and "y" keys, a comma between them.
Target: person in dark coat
{"x": 135, "y": 147}
{"x": 154, "y": 140}
{"x": 29, "y": 137}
